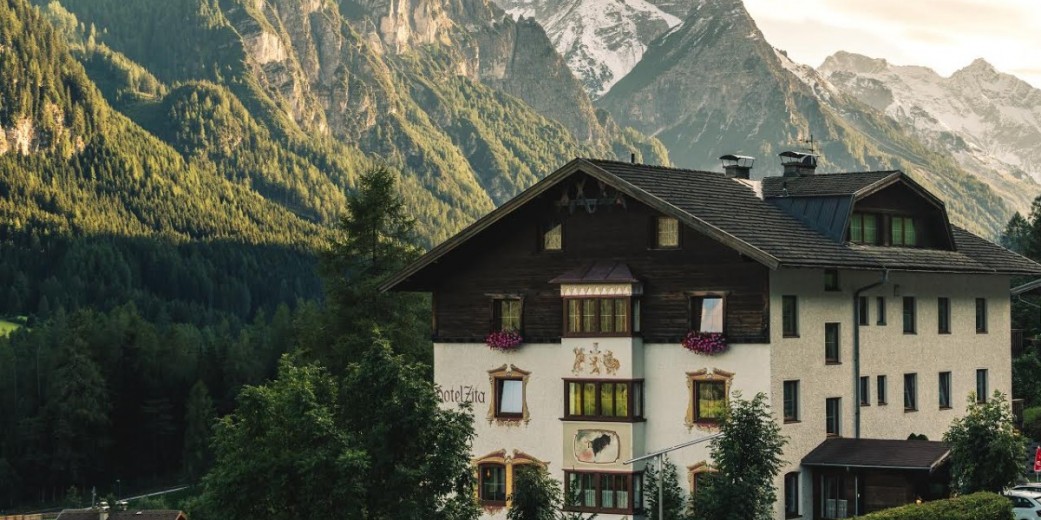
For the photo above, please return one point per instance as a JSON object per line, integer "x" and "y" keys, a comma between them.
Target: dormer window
{"x": 863, "y": 228}
{"x": 903, "y": 232}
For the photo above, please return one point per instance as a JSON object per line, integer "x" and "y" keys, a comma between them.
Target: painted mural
{"x": 597, "y": 446}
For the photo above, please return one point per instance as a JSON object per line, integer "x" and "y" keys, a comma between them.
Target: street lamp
{"x": 660, "y": 455}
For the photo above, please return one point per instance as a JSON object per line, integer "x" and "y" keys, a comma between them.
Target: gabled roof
{"x": 731, "y": 212}
{"x": 878, "y": 454}
{"x": 827, "y": 184}
{"x": 598, "y": 272}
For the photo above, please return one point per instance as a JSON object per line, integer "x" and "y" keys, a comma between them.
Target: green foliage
{"x": 977, "y": 506}
{"x": 747, "y": 458}
{"x": 1026, "y": 383}
{"x": 199, "y": 417}
{"x": 373, "y": 443}
{"x": 536, "y": 495}
{"x": 1032, "y": 422}
{"x": 374, "y": 240}
{"x": 987, "y": 452}
{"x": 673, "y": 505}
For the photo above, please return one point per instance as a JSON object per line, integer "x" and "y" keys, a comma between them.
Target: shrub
{"x": 977, "y": 506}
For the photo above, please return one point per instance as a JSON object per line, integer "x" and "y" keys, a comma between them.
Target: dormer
{"x": 871, "y": 208}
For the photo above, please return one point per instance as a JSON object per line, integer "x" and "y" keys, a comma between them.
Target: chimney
{"x": 798, "y": 163}
{"x": 737, "y": 166}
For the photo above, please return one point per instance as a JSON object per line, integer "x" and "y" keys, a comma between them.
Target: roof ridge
{"x": 657, "y": 166}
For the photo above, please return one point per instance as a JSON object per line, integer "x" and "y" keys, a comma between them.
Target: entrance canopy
{"x": 878, "y": 454}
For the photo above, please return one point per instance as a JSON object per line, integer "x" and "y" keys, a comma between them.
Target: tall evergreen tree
{"x": 673, "y": 506}
{"x": 198, "y": 429}
{"x": 374, "y": 240}
{"x": 536, "y": 495}
{"x": 76, "y": 415}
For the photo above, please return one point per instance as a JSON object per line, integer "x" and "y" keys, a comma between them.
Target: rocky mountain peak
{"x": 852, "y": 62}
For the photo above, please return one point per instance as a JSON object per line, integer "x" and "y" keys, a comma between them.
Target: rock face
{"x": 713, "y": 85}
{"x": 987, "y": 120}
{"x": 601, "y": 41}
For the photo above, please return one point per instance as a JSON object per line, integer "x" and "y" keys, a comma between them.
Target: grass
{"x": 11, "y": 324}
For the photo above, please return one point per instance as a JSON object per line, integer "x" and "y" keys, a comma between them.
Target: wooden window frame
{"x": 788, "y": 512}
{"x": 695, "y": 470}
{"x": 981, "y": 315}
{"x": 794, "y": 399}
{"x": 864, "y": 391}
{"x": 981, "y": 397}
{"x": 833, "y": 358}
{"x": 943, "y": 315}
{"x": 913, "y": 377}
{"x": 656, "y": 231}
{"x": 793, "y": 331}
{"x": 838, "y": 416}
{"x": 863, "y": 311}
{"x": 508, "y": 372}
{"x": 910, "y": 308}
{"x": 544, "y": 229}
{"x": 701, "y": 376}
{"x": 480, "y": 485}
{"x": 880, "y": 309}
{"x": 904, "y": 220}
{"x": 628, "y": 300}
{"x": 880, "y": 390}
{"x": 634, "y": 401}
{"x": 940, "y": 390}
{"x": 635, "y": 492}
{"x": 699, "y": 297}
{"x": 495, "y": 321}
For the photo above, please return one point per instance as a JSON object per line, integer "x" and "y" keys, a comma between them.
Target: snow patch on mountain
{"x": 601, "y": 40}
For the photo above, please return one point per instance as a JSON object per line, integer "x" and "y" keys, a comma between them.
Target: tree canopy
{"x": 987, "y": 451}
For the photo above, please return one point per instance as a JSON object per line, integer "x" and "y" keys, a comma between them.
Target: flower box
{"x": 504, "y": 340}
{"x": 708, "y": 343}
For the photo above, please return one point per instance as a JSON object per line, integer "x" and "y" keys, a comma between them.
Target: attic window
{"x": 667, "y": 233}
{"x": 552, "y": 236}
{"x": 863, "y": 228}
{"x": 903, "y": 232}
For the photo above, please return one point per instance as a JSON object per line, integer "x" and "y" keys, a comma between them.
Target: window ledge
{"x": 792, "y": 515}
{"x": 882, "y": 404}
{"x": 910, "y": 410}
{"x": 946, "y": 408}
{"x": 792, "y": 421}
{"x": 865, "y": 404}
{"x": 826, "y": 362}
{"x": 604, "y": 419}
{"x": 790, "y": 336}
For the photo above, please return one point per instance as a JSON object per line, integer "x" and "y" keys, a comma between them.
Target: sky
{"x": 944, "y": 35}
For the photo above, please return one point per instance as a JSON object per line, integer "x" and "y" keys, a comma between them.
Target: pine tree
{"x": 673, "y": 506}
{"x": 198, "y": 429}
{"x": 536, "y": 495}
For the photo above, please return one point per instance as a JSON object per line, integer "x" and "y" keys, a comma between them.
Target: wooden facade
{"x": 507, "y": 260}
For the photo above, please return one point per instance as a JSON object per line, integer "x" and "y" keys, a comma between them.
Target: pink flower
{"x": 704, "y": 342}
{"x": 504, "y": 340}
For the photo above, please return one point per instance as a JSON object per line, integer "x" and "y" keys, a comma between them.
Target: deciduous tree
{"x": 987, "y": 452}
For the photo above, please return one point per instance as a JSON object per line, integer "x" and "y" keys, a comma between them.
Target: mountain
{"x": 714, "y": 85}
{"x": 988, "y": 121}
{"x": 601, "y": 41}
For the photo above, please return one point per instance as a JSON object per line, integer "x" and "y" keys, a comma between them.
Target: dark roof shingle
{"x": 824, "y": 184}
{"x": 878, "y": 453}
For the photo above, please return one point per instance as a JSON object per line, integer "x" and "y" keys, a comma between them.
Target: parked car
{"x": 1025, "y": 504}
{"x": 1029, "y": 486}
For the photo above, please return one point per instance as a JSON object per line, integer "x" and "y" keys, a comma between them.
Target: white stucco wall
{"x": 884, "y": 350}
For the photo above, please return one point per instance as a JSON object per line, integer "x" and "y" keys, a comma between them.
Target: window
{"x": 791, "y": 494}
{"x": 945, "y": 389}
{"x": 943, "y": 315}
{"x": 865, "y": 391}
{"x": 831, "y": 280}
{"x": 597, "y": 316}
{"x": 981, "y": 385}
{"x": 880, "y": 389}
{"x": 707, "y": 393}
{"x": 492, "y": 484}
{"x": 790, "y": 316}
{"x": 981, "y": 315}
{"x": 862, "y": 311}
{"x": 553, "y": 236}
{"x": 831, "y": 343}
{"x": 910, "y": 392}
{"x": 611, "y": 400}
{"x": 509, "y": 398}
{"x": 697, "y": 474}
{"x": 909, "y": 315}
{"x": 603, "y": 492}
{"x": 880, "y": 310}
{"x": 791, "y": 401}
{"x": 506, "y": 314}
{"x": 667, "y": 233}
{"x": 902, "y": 232}
{"x": 706, "y": 313}
{"x": 863, "y": 228}
{"x": 509, "y": 394}
{"x": 832, "y": 407}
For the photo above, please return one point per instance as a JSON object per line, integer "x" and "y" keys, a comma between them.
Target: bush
{"x": 977, "y": 506}
{"x": 1032, "y": 422}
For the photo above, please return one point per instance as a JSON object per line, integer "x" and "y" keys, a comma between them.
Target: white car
{"x": 1032, "y": 487}
{"x": 1025, "y": 504}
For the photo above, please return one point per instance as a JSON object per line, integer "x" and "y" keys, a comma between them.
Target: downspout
{"x": 856, "y": 350}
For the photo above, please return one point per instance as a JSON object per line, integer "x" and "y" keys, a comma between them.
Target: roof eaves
{"x": 878, "y": 185}
{"x": 482, "y": 223}
{"x": 687, "y": 218}
{"x": 1025, "y": 288}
